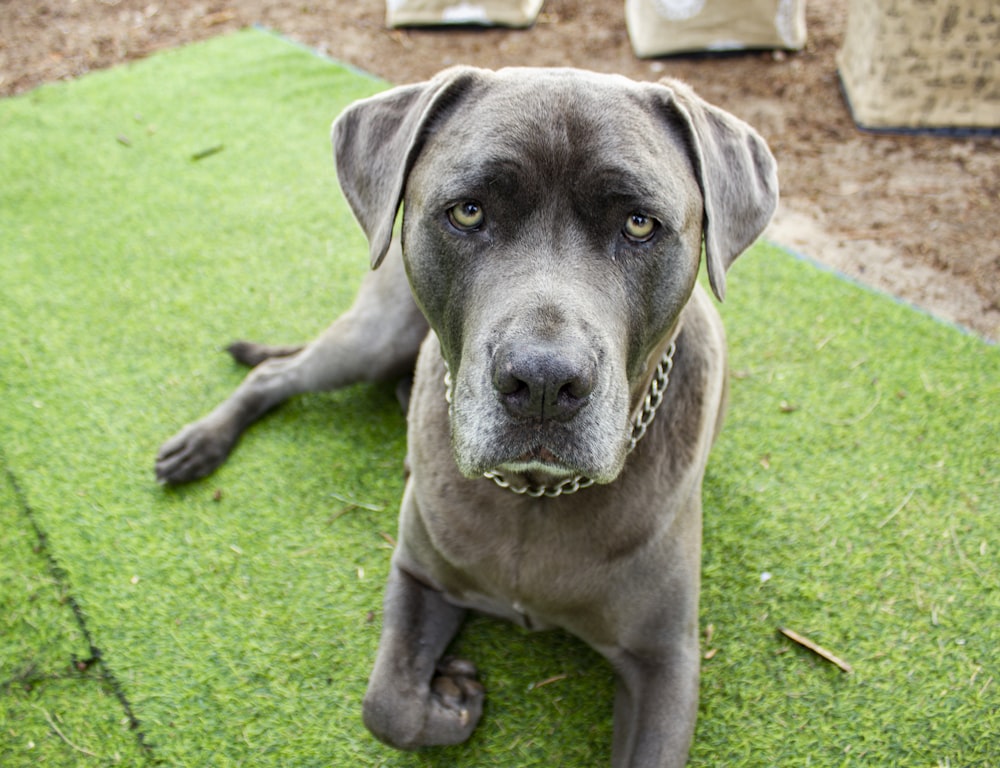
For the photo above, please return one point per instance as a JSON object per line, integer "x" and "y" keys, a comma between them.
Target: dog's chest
{"x": 524, "y": 561}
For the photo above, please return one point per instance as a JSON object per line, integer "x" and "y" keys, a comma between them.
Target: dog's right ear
{"x": 377, "y": 140}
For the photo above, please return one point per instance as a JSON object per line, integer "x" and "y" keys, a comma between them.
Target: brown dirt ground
{"x": 913, "y": 215}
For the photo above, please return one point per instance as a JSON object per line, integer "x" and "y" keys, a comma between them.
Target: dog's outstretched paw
{"x": 194, "y": 452}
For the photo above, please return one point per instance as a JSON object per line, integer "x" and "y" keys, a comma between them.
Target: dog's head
{"x": 553, "y": 223}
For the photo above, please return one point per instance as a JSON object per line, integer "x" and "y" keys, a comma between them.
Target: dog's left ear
{"x": 737, "y": 174}
{"x": 377, "y": 140}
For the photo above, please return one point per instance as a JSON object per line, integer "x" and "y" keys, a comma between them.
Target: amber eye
{"x": 639, "y": 227}
{"x": 466, "y": 216}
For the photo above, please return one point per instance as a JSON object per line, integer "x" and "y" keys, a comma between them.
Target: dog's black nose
{"x": 543, "y": 382}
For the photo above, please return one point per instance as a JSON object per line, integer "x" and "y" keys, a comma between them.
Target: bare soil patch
{"x": 915, "y": 216}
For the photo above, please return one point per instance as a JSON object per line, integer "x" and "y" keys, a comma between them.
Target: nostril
{"x": 505, "y": 381}
{"x": 579, "y": 387}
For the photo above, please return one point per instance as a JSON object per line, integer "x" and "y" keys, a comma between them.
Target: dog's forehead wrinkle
{"x": 557, "y": 110}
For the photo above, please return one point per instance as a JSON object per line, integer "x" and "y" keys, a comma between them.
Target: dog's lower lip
{"x": 536, "y": 460}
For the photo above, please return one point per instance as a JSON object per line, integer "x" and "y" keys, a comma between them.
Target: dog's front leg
{"x": 415, "y": 698}
{"x": 658, "y": 663}
{"x": 377, "y": 339}
{"x": 656, "y": 703}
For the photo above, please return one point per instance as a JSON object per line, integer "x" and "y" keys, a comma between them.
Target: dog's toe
{"x": 458, "y": 697}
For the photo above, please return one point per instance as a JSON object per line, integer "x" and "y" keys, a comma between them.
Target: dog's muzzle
{"x": 531, "y": 391}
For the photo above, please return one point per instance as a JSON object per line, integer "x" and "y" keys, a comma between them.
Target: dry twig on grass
{"x": 819, "y": 650}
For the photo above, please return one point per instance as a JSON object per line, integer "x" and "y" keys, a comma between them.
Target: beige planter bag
{"x": 919, "y": 64}
{"x": 661, "y": 27}
{"x": 487, "y": 13}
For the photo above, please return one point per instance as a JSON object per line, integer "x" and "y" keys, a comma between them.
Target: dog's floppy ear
{"x": 377, "y": 140}
{"x": 737, "y": 174}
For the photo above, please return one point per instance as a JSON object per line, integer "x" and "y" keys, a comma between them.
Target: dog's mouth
{"x": 537, "y": 460}
{"x": 540, "y": 454}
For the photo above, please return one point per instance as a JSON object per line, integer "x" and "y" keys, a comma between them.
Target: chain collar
{"x": 640, "y": 423}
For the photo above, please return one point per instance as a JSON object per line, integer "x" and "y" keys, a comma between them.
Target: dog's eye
{"x": 639, "y": 227}
{"x": 466, "y": 216}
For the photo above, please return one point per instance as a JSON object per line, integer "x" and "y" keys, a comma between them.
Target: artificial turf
{"x": 151, "y": 213}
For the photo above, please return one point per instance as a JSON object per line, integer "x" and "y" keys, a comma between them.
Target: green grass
{"x": 236, "y": 619}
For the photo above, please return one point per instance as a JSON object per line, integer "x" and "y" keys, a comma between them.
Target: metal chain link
{"x": 650, "y": 404}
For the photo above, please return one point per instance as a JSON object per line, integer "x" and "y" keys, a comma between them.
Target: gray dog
{"x": 552, "y": 232}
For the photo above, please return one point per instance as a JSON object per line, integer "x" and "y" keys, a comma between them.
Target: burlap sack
{"x": 660, "y": 27}
{"x": 922, "y": 63}
{"x": 501, "y": 13}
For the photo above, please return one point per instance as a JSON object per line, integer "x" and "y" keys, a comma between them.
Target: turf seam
{"x": 61, "y": 578}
